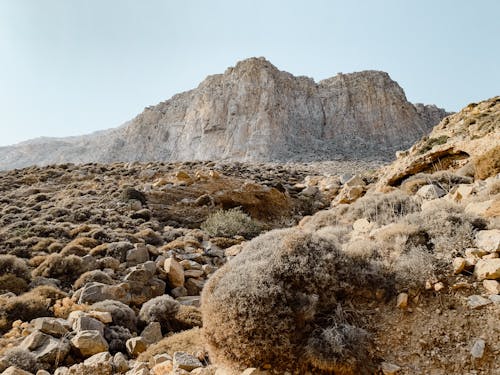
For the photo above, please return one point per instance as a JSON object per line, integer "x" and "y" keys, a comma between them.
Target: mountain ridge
{"x": 253, "y": 112}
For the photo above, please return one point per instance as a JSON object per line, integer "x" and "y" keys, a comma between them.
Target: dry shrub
{"x": 450, "y": 230}
{"x": 414, "y": 268}
{"x": 189, "y": 341}
{"x": 10, "y": 264}
{"x": 230, "y": 223}
{"x": 71, "y": 249}
{"x": 275, "y": 300}
{"x": 66, "y": 269}
{"x": 21, "y": 358}
{"x": 117, "y": 336}
{"x": 488, "y": 164}
{"x": 187, "y": 317}
{"x": 12, "y": 283}
{"x": 63, "y": 307}
{"x": 94, "y": 275}
{"x": 24, "y": 307}
{"x": 162, "y": 309}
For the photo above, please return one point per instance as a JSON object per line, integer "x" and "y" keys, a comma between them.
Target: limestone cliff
{"x": 254, "y": 112}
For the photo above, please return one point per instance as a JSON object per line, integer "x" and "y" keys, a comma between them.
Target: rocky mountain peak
{"x": 255, "y": 112}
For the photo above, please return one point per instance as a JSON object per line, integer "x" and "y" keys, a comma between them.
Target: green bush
{"x": 230, "y": 223}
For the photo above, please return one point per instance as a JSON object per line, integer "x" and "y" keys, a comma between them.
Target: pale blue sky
{"x": 70, "y": 67}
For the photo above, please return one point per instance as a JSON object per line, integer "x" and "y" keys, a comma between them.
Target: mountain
{"x": 253, "y": 112}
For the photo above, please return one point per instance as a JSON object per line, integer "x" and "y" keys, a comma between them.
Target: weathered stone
{"x": 458, "y": 265}
{"x": 12, "y": 370}
{"x": 189, "y": 301}
{"x": 103, "y": 316}
{"x": 87, "y": 323}
{"x": 103, "y": 357}
{"x": 162, "y": 368}
{"x": 51, "y": 326}
{"x": 193, "y": 273}
{"x": 430, "y": 192}
{"x": 355, "y": 181}
{"x": 95, "y": 292}
{"x": 152, "y": 333}
{"x": 120, "y": 363}
{"x": 45, "y": 347}
{"x": 477, "y": 350}
{"x": 194, "y": 286}
{"x": 186, "y": 361}
{"x": 402, "y": 300}
{"x": 389, "y": 368}
{"x": 479, "y": 208}
{"x": 254, "y": 371}
{"x": 487, "y": 269}
{"x": 476, "y": 301}
{"x": 139, "y": 254}
{"x": 488, "y": 240}
{"x": 136, "y": 345}
{"x": 492, "y": 286}
{"x": 175, "y": 272}
{"x": 88, "y": 343}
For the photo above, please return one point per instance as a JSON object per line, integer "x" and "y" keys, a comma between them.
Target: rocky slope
{"x": 253, "y": 112}
{"x": 102, "y": 265}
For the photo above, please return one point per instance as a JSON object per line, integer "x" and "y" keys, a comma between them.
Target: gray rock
{"x": 120, "y": 363}
{"x": 46, "y": 348}
{"x": 430, "y": 192}
{"x": 95, "y": 292}
{"x": 103, "y": 357}
{"x": 51, "y": 326}
{"x": 488, "y": 240}
{"x": 152, "y": 333}
{"x": 477, "y": 350}
{"x": 136, "y": 345}
{"x": 86, "y": 323}
{"x": 186, "y": 361}
{"x": 476, "y": 301}
{"x": 12, "y": 370}
{"x": 137, "y": 255}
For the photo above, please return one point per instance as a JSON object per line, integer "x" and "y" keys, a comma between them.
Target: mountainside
{"x": 253, "y": 112}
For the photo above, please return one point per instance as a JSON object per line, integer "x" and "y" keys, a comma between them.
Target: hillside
{"x": 253, "y": 112}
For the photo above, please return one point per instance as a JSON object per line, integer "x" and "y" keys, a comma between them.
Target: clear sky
{"x": 71, "y": 67}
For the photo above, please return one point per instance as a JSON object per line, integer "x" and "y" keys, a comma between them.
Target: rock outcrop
{"x": 253, "y": 112}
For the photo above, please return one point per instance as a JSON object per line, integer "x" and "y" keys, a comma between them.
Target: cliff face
{"x": 254, "y": 112}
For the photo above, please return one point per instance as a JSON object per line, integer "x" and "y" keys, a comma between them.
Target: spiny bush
{"x": 10, "y": 264}
{"x": 21, "y": 358}
{"x": 162, "y": 309}
{"x": 66, "y": 269}
{"x": 94, "y": 275}
{"x": 12, "y": 283}
{"x": 24, "y": 307}
{"x": 488, "y": 164}
{"x": 274, "y": 301}
{"x": 230, "y": 223}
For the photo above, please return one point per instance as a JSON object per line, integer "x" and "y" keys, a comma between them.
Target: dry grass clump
{"x": 10, "y": 264}
{"x": 25, "y": 307}
{"x": 66, "y": 269}
{"x": 449, "y": 228}
{"x": 171, "y": 315}
{"x": 20, "y": 358}
{"x": 488, "y": 164}
{"x": 275, "y": 300}
{"x": 94, "y": 275}
{"x": 189, "y": 341}
{"x": 12, "y": 283}
{"x": 230, "y": 223}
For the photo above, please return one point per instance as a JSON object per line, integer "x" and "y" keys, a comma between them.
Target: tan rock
{"x": 389, "y": 368}
{"x": 487, "y": 269}
{"x": 488, "y": 240}
{"x": 175, "y": 272}
{"x": 162, "y": 368}
{"x": 89, "y": 343}
{"x": 492, "y": 286}
{"x": 136, "y": 345}
{"x": 458, "y": 265}
{"x": 402, "y": 300}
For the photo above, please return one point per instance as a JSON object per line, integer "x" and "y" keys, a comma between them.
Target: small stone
{"x": 429, "y": 192}
{"x": 12, "y": 370}
{"x": 488, "y": 240}
{"x": 42, "y": 372}
{"x": 477, "y": 350}
{"x": 46, "y": 348}
{"x": 189, "y": 301}
{"x": 193, "y": 273}
{"x": 389, "y": 368}
{"x": 120, "y": 362}
{"x": 162, "y": 368}
{"x": 487, "y": 269}
{"x": 208, "y": 269}
{"x": 476, "y": 302}
{"x": 89, "y": 343}
{"x": 458, "y": 265}
{"x": 103, "y": 357}
{"x": 495, "y": 298}
{"x": 186, "y": 361}
{"x": 402, "y": 300}
{"x": 491, "y": 256}
{"x": 194, "y": 286}
{"x": 152, "y": 333}
{"x": 491, "y": 286}
{"x": 439, "y": 286}
{"x": 103, "y": 316}
{"x": 175, "y": 272}
{"x": 136, "y": 345}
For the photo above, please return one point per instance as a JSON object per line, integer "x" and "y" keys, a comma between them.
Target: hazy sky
{"x": 70, "y": 67}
